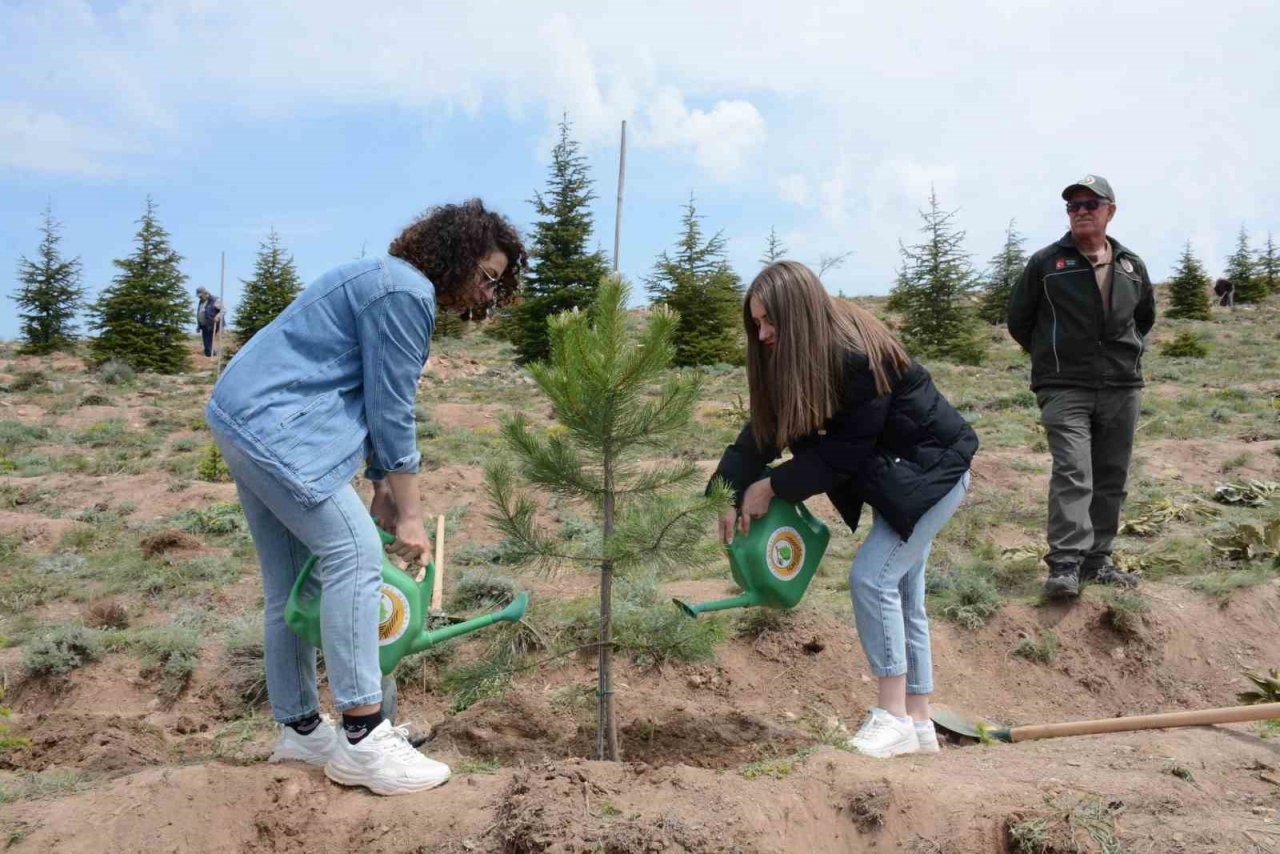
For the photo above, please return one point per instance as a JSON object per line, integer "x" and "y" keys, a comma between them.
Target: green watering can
{"x": 403, "y": 616}
{"x": 775, "y": 562}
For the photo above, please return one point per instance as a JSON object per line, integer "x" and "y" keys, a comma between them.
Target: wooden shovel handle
{"x": 437, "y": 589}
{"x": 1204, "y": 717}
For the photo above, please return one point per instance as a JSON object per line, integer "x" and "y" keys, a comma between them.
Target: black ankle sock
{"x": 358, "y": 726}
{"x": 307, "y": 725}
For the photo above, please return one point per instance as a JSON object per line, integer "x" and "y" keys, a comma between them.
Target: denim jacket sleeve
{"x": 395, "y": 340}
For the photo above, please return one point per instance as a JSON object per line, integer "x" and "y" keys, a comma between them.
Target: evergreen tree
{"x": 697, "y": 283}
{"x": 49, "y": 294}
{"x": 274, "y": 285}
{"x": 600, "y": 381}
{"x": 142, "y": 317}
{"x": 563, "y": 275}
{"x": 1189, "y": 288}
{"x": 1267, "y": 266}
{"x": 1005, "y": 270}
{"x": 932, "y": 293}
{"x": 773, "y": 249}
{"x": 1240, "y": 270}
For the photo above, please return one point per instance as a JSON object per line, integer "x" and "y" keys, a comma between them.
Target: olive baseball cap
{"x": 1095, "y": 184}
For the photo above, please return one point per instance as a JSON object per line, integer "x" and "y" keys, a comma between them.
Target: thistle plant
{"x": 612, "y": 397}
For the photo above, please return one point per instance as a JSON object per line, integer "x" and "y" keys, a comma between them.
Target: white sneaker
{"x": 385, "y": 763}
{"x": 314, "y": 748}
{"x": 927, "y": 735}
{"x": 883, "y": 736}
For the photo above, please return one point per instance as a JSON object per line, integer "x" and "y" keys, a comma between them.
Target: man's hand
{"x": 412, "y": 541}
{"x": 755, "y": 503}
{"x": 383, "y": 508}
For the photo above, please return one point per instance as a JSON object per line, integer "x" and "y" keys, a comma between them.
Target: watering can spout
{"x": 513, "y": 613}
{"x": 744, "y": 600}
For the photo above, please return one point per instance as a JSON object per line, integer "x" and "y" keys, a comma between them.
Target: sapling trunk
{"x": 606, "y": 723}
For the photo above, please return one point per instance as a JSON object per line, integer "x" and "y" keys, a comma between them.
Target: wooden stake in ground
{"x": 437, "y": 588}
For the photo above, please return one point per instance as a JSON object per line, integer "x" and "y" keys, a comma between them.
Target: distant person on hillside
{"x": 1082, "y": 309}
{"x": 208, "y": 318}
{"x": 865, "y": 424}
{"x": 324, "y": 389}
{"x": 1225, "y": 290}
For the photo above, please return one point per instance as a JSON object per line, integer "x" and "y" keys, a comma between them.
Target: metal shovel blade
{"x": 966, "y": 726}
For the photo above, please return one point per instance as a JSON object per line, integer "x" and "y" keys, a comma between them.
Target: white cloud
{"x": 44, "y": 141}
{"x": 793, "y": 188}
{"x": 721, "y": 138}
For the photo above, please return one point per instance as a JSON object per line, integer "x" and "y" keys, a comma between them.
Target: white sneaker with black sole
{"x": 385, "y": 763}
{"x": 883, "y": 736}
{"x": 314, "y": 748}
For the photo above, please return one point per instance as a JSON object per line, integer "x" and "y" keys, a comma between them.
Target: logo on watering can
{"x": 393, "y": 615}
{"x": 785, "y": 553}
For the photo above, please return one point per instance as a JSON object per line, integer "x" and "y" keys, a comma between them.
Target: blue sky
{"x": 335, "y": 124}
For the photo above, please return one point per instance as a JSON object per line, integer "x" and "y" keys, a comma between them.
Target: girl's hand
{"x": 726, "y": 526}
{"x": 755, "y": 503}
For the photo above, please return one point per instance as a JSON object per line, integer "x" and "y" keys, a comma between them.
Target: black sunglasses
{"x": 1089, "y": 205}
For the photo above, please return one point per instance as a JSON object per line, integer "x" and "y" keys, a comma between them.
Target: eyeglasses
{"x": 489, "y": 278}
{"x": 1088, "y": 204}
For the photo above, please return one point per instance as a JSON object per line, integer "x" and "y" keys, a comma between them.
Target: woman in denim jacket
{"x": 326, "y": 388}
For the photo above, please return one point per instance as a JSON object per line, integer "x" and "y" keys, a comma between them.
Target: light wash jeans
{"x": 886, "y": 582}
{"x": 340, "y": 532}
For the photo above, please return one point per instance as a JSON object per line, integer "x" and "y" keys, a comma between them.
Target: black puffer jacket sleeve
{"x": 742, "y": 463}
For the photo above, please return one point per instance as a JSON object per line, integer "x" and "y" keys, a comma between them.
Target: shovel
{"x": 961, "y": 724}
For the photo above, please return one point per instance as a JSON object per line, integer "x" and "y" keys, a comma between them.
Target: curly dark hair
{"x": 447, "y": 243}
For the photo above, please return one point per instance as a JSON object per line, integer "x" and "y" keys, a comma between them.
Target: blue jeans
{"x": 340, "y": 532}
{"x": 886, "y": 582}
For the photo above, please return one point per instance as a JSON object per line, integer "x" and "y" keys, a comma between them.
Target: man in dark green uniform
{"x": 1082, "y": 309}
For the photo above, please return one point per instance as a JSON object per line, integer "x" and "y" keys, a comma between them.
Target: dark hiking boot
{"x": 1063, "y": 583}
{"x": 1107, "y": 573}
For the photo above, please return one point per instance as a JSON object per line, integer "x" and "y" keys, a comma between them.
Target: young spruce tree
{"x": 1267, "y": 266}
{"x": 697, "y": 283}
{"x": 563, "y": 275}
{"x": 1005, "y": 270}
{"x": 1240, "y": 270}
{"x": 774, "y": 250}
{"x": 49, "y": 294}
{"x": 932, "y": 293}
{"x": 142, "y": 318}
{"x": 612, "y": 397}
{"x": 1189, "y": 288}
{"x": 274, "y": 285}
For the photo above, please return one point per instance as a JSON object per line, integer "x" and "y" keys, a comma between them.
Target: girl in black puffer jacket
{"x": 864, "y": 424}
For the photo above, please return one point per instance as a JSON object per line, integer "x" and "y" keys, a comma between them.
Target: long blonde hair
{"x": 796, "y": 385}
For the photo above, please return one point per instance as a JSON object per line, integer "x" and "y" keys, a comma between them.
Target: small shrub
{"x": 28, "y": 381}
{"x": 184, "y": 445}
{"x": 1185, "y": 345}
{"x": 424, "y": 426}
{"x": 166, "y": 541}
{"x": 169, "y": 654}
{"x": 1125, "y": 612}
{"x": 62, "y": 650}
{"x": 116, "y": 372}
{"x": 106, "y": 614}
{"x": 94, "y": 400}
{"x": 211, "y": 468}
{"x": 19, "y": 434}
{"x": 245, "y": 669}
{"x": 225, "y": 518}
{"x": 480, "y": 590}
{"x": 970, "y": 600}
{"x": 482, "y": 679}
{"x": 1043, "y": 648}
{"x": 1267, "y": 688}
